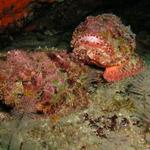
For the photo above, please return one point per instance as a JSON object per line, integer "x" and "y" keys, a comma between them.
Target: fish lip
{"x": 93, "y": 38}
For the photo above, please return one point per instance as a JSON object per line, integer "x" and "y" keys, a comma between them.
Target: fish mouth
{"x": 89, "y": 40}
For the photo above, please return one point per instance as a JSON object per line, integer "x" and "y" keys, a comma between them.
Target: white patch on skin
{"x": 91, "y": 39}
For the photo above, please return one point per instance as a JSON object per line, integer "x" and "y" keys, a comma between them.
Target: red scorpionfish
{"x": 104, "y": 41}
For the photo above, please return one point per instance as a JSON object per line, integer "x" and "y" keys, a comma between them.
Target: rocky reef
{"x": 51, "y": 98}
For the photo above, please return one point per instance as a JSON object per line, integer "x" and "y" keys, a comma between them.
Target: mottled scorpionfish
{"x": 104, "y": 41}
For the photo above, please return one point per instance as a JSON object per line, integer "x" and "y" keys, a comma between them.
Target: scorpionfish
{"x": 104, "y": 41}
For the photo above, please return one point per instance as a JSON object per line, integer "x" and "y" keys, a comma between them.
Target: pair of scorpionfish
{"x": 105, "y": 42}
